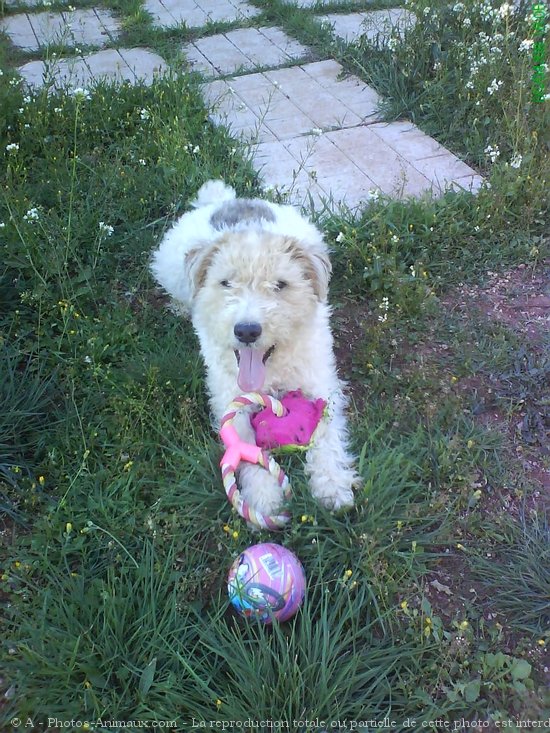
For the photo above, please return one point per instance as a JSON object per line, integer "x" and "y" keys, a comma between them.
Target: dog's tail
{"x": 213, "y": 192}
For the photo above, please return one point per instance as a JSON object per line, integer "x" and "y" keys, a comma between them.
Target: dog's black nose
{"x": 247, "y": 333}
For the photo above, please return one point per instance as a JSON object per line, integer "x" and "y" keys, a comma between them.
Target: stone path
{"x": 32, "y": 31}
{"x": 314, "y": 133}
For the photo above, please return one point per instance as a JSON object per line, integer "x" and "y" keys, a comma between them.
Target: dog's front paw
{"x": 260, "y": 490}
{"x": 334, "y": 491}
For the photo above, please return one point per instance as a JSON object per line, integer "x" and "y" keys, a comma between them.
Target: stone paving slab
{"x": 242, "y": 49}
{"x": 312, "y": 3}
{"x": 350, "y": 26}
{"x": 280, "y": 104}
{"x": 171, "y": 13}
{"x": 27, "y": 3}
{"x": 32, "y": 31}
{"x": 114, "y": 65}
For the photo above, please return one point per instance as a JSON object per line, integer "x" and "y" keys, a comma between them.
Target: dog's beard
{"x": 252, "y": 367}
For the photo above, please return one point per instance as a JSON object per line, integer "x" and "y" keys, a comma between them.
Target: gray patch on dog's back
{"x": 240, "y": 211}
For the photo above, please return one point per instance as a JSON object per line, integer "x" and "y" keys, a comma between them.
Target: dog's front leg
{"x": 257, "y": 486}
{"x": 329, "y": 464}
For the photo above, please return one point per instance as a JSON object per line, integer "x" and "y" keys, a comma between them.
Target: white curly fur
{"x": 224, "y": 263}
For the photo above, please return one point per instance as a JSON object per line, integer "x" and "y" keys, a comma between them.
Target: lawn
{"x": 428, "y": 604}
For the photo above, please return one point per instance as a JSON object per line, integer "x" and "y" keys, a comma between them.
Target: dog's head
{"x": 255, "y": 293}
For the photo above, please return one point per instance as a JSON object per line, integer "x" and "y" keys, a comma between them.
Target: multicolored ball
{"x": 266, "y": 581}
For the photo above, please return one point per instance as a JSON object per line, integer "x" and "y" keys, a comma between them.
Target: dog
{"x": 253, "y": 276}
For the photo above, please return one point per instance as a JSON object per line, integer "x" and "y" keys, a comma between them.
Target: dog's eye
{"x": 225, "y": 283}
{"x": 280, "y": 285}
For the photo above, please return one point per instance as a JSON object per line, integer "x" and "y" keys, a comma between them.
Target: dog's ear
{"x": 316, "y": 263}
{"x": 196, "y": 264}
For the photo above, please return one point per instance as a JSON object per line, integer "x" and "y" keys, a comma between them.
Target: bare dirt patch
{"x": 519, "y": 299}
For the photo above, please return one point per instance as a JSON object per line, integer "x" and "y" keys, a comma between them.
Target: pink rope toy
{"x": 287, "y": 423}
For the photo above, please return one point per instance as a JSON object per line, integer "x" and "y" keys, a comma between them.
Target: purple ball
{"x": 266, "y": 581}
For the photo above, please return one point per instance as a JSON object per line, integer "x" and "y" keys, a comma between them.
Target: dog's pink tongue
{"x": 251, "y": 370}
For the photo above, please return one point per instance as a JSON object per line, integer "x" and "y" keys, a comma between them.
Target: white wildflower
{"x": 341, "y": 236}
{"x": 467, "y": 22}
{"x": 458, "y": 8}
{"x": 12, "y": 147}
{"x": 32, "y": 215}
{"x": 494, "y": 86}
{"x": 106, "y": 229}
{"x": 145, "y": 114}
{"x": 384, "y": 306}
{"x": 81, "y": 93}
{"x": 374, "y": 194}
{"x": 2, "y": 225}
{"x": 492, "y": 152}
{"x": 516, "y": 161}
{"x": 316, "y": 131}
{"x": 141, "y": 161}
{"x": 505, "y": 10}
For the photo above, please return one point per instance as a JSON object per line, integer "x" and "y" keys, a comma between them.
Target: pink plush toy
{"x": 294, "y": 429}
{"x": 288, "y": 424}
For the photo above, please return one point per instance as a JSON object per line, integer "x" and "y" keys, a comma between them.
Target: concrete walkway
{"x": 314, "y": 133}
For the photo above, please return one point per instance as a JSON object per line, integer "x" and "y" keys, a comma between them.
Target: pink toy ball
{"x": 266, "y": 581}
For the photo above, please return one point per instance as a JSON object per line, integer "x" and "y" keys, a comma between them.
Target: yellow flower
{"x": 68, "y": 528}
{"x": 459, "y": 546}
{"x": 17, "y": 564}
{"x": 226, "y": 528}
{"x": 218, "y": 703}
{"x": 128, "y": 466}
{"x": 41, "y": 480}
{"x": 87, "y": 684}
{"x": 470, "y": 443}
{"x": 399, "y": 524}
{"x": 234, "y": 534}
{"x": 404, "y": 605}
{"x": 348, "y": 573}
{"x": 304, "y": 518}
{"x": 541, "y": 642}
{"x": 464, "y": 625}
{"x": 454, "y": 379}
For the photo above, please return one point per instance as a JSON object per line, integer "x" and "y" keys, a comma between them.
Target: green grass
{"x": 118, "y": 536}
